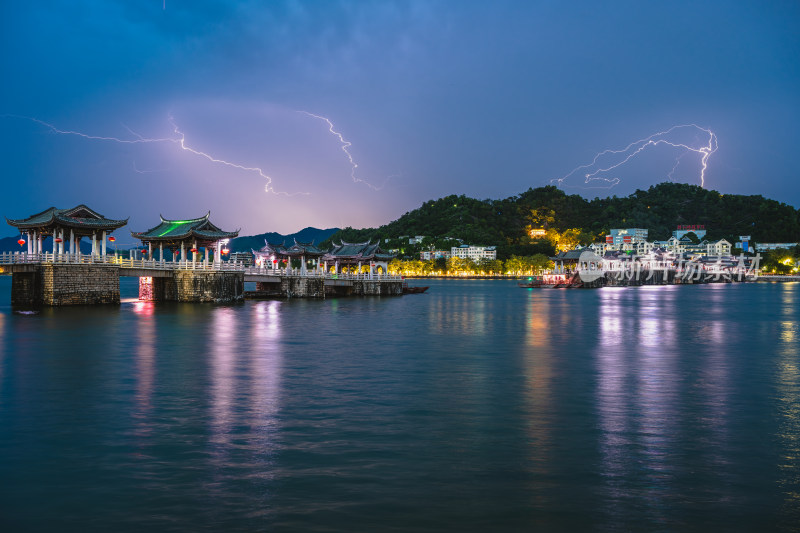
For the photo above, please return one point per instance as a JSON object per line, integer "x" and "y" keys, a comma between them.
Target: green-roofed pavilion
{"x": 186, "y": 235}
{"x": 63, "y": 224}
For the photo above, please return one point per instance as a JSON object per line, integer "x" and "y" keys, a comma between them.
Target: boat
{"x": 413, "y": 290}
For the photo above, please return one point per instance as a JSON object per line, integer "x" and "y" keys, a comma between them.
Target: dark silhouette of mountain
{"x": 254, "y": 242}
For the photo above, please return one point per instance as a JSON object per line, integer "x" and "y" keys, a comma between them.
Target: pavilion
{"x": 61, "y": 224}
{"x": 272, "y": 254}
{"x": 269, "y": 255}
{"x": 185, "y": 235}
{"x": 357, "y": 254}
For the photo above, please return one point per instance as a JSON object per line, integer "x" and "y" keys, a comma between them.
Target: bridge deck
{"x": 23, "y": 262}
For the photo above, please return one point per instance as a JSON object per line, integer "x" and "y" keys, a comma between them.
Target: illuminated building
{"x": 186, "y": 235}
{"x": 67, "y": 226}
{"x": 273, "y": 255}
{"x": 356, "y": 255}
{"x": 476, "y": 253}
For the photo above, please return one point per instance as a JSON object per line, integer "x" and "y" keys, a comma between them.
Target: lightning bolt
{"x": 636, "y": 147}
{"x": 179, "y": 141}
{"x": 345, "y": 145}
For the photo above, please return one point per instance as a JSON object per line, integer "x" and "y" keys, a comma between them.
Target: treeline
{"x": 457, "y": 266}
{"x": 507, "y": 223}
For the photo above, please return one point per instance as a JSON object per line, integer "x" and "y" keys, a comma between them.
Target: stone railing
{"x": 11, "y": 258}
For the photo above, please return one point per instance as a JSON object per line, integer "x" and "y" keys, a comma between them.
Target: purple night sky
{"x": 430, "y": 98}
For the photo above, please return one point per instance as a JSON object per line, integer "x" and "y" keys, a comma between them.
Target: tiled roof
{"x": 364, "y": 251}
{"x": 174, "y": 230}
{"x": 304, "y": 248}
{"x": 77, "y": 217}
{"x": 270, "y": 249}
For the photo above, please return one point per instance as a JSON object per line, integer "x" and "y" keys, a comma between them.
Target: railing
{"x": 17, "y": 258}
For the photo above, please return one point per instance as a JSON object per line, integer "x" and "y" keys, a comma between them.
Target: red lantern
{"x": 21, "y": 242}
{"x": 144, "y": 251}
{"x": 193, "y": 250}
{"x": 110, "y": 239}
{"x": 59, "y": 239}
{"x": 225, "y": 251}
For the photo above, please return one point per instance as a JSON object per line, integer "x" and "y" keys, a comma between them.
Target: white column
{"x": 206, "y": 248}
{"x": 30, "y": 248}
{"x": 150, "y": 250}
{"x": 72, "y": 241}
{"x": 104, "y": 243}
{"x": 62, "y": 244}
{"x": 183, "y": 256}
{"x": 161, "y": 251}
{"x": 94, "y": 243}
{"x": 194, "y": 254}
{"x": 55, "y": 246}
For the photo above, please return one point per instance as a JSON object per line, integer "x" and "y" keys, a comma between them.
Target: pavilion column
{"x": 161, "y": 251}
{"x": 336, "y": 267}
{"x": 104, "y": 244}
{"x": 183, "y": 256}
{"x": 359, "y": 267}
{"x": 206, "y": 259}
{"x": 194, "y": 254}
{"x": 72, "y": 241}
{"x": 150, "y": 250}
{"x": 30, "y": 246}
{"x": 94, "y": 243}
{"x": 39, "y": 242}
{"x": 55, "y": 244}
{"x": 62, "y": 245}
{"x": 303, "y": 264}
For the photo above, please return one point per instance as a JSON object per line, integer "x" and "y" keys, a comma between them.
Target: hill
{"x": 254, "y": 242}
{"x": 507, "y": 223}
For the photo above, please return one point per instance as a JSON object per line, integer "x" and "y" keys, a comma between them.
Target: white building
{"x": 468, "y": 251}
{"x": 719, "y": 248}
{"x": 433, "y": 254}
{"x": 416, "y": 240}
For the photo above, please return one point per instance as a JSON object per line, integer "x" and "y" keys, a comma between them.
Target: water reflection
{"x": 637, "y": 398}
{"x": 461, "y": 313}
{"x": 145, "y": 354}
{"x": 266, "y": 365}
{"x": 224, "y": 349}
{"x": 538, "y": 368}
{"x": 788, "y": 406}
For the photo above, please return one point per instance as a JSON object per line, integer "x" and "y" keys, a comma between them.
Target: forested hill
{"x": 506, "y": 223}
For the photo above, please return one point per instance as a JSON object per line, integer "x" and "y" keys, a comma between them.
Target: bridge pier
{"x": 64, "y": 284}
{"x": 193, "y": 286}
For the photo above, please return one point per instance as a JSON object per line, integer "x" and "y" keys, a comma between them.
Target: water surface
{"x": 476, "y": 406}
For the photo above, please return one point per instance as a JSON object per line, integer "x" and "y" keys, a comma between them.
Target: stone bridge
{"x": 70, "y": 279}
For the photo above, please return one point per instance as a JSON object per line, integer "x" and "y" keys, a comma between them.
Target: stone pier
{"x": 63, "y": 284}
{"x": 318, "y": 287}
{"x": 193, "y": 286}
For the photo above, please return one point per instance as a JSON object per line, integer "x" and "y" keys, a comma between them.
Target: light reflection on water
{"x": 476, "y": 406}
{"x": 788, "y": 407}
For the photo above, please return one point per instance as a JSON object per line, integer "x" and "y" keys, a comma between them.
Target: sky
{"x": 279, "y": 115}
